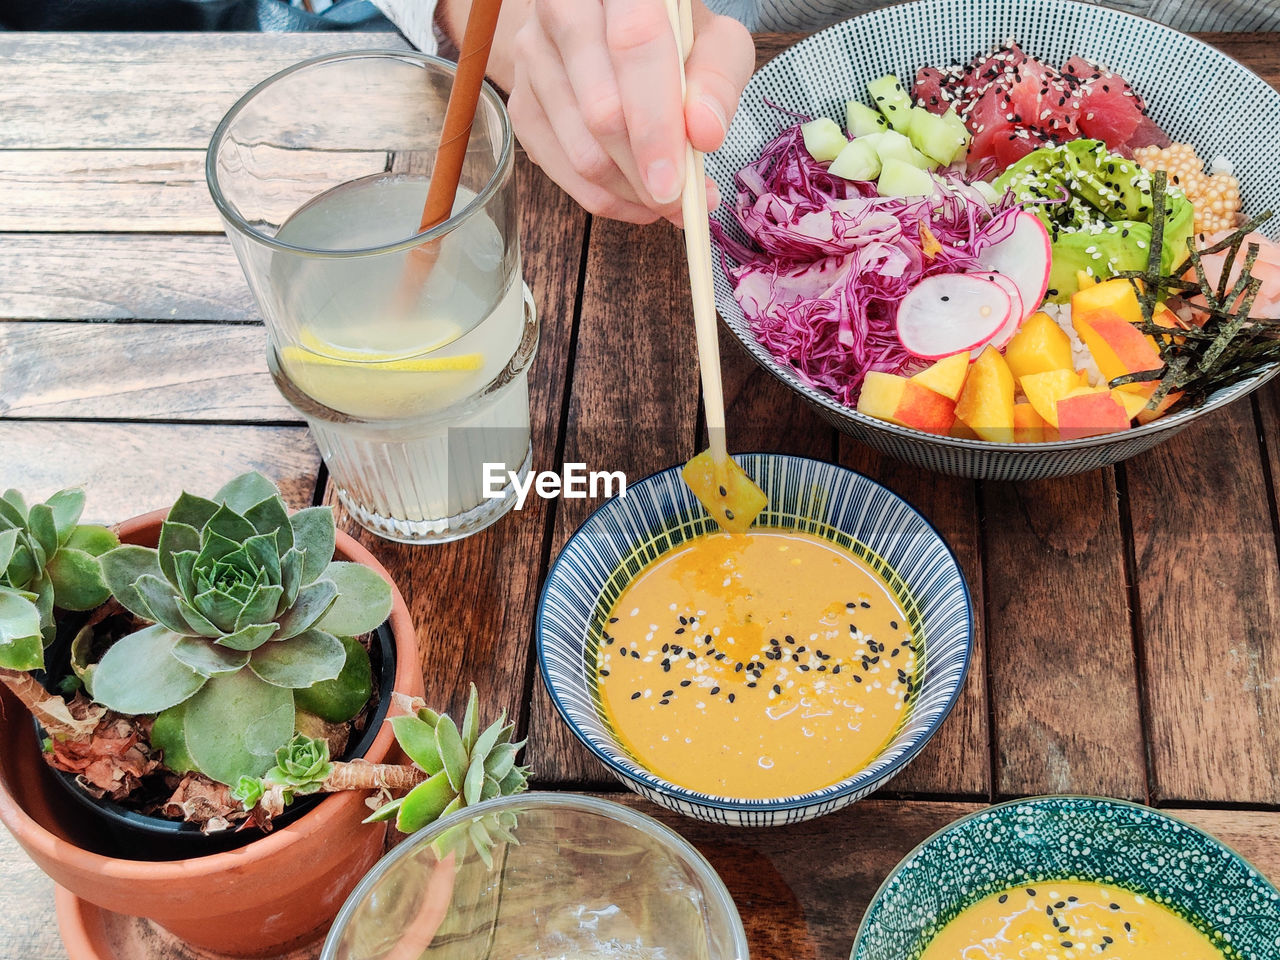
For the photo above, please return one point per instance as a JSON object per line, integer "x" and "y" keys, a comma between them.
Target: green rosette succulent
{"x": 464, "y": 767}
{"x": 248, "y": 607}
{"x": 47, "y": 559}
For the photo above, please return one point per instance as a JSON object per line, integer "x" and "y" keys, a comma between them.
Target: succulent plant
{"x": 47, "y": 559}
{"x": 464, "y": 766}
{"x": 247, "y": 608}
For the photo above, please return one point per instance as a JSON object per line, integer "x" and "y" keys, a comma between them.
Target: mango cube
{"x": 1111, "y": 296}
{"x": 896, "y": 399}
{"x": 1044, "y": 390}
{"x": 1039, "y": 345}
{"x": 947, "y": 376}
{"x": 1090, "y": 412}
{"x": 1118, "y": 347}
{"x": 1029, "y": 426}
{"x": 986, "y": 403}
{"x": 725, "y": 490}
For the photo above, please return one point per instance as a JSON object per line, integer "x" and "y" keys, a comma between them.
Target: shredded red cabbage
{"x": 830, "y": 260}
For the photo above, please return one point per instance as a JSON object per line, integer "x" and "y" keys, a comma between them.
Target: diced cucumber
{"x": 935, "y": 137}
{"x": 861, "y": 120}
{"x": 892, "y": 145}
{"x": 900, "y": 179}
{"x": 891, "y": 99}
{"x": 823, "y": 138}
{"x": 857, "y": 161}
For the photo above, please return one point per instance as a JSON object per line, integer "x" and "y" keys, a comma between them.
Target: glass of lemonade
{"x": 406, "y": 352}
{"x": 540, "y": 876}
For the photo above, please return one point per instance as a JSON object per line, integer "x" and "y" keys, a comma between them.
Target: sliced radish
{"x": 950, "y": 313}
{"x": 1017, "y": 313}
{"x": 1024, "y": 257}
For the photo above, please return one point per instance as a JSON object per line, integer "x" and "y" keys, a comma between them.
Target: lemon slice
{"x": 294, "y": 356}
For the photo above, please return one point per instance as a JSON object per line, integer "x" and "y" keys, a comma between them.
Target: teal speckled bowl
{"x": 1072, "y": 838}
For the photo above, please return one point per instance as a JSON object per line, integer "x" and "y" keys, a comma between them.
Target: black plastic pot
{"x": 130, "y": 835}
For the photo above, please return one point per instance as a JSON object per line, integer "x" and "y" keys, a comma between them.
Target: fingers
{"x": 645, "y": 61}
{"x": 544, "y": 148}
{"x": 577, "y": 30}
{"x": 718, "y": 68}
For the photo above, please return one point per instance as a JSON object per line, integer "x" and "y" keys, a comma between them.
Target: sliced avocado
{"x": 861, "y": 120}
{"x": 1105, "y": 225}
{"x": 891, "y": 99}
{"x": 823, "y": 138}
{"x": 858, "y": 161}
{"x": 901, "y": 179}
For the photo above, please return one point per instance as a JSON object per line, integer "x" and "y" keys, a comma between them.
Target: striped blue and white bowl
{"x": 659, "y": 513}
{"x": 1199, "y": 95}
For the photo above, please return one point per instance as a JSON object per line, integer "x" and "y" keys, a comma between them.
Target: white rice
{"x": 1081, "y": 358}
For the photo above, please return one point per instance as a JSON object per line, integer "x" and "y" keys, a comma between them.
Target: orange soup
{"x": 756, "y": 666}
{"x": 1067, "y": 920}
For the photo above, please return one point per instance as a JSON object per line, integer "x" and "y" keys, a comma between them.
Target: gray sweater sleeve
{"x": 1187, "y": 15}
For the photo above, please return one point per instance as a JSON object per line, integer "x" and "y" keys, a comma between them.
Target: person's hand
{"x": 595, "y": 99}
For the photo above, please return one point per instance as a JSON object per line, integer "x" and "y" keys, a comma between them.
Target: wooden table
{"x": 1125, "y": 644}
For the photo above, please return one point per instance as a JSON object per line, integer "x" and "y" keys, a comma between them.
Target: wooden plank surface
{"x": 473, "y": 601}
{"x": 1209, "y": 602}
{"x": 139, "y": 371}
{"x": 130, "y": 468}
{"x": 1063, "y": 678}
{"x": 633, "y": 408}
{"x": 193, "y": 80}
{"x": 141, "y": 277}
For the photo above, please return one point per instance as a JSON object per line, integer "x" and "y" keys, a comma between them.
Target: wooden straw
{"x": 697, "y": 239}
{"x": 459, "y": 116}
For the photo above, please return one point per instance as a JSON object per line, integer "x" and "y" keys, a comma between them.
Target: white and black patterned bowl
{"x": 657, "y": 514}
{"x": 1197, "y": 94}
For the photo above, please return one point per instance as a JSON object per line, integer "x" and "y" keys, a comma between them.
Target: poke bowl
{"x": 806, "y": 286}
{"x": 580, "y": 642}
{"x": 1027, "y": 851}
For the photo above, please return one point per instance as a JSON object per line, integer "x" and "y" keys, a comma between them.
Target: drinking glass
{"x": 406, "y": 351}
{"x": 540, "y": 875}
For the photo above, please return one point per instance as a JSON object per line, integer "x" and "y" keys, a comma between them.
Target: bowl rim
{"x": 831, "y": 793}
{"x": 707, "y": 875}
{"x": 1047, "y": 799}
{"x": 818, "y": 397}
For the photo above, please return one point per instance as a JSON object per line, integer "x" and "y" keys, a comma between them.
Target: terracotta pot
{"x": 260, "y": 899}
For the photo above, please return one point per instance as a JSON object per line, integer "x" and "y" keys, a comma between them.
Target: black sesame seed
{"x": 1030, "y": 892}
{"x": 613, "y": 619}
{"x": 865, "y": 605}
{"x": 724, "y": 492}
{"x": 944, "y": 299}
{"x": 731, "y": 698}
{"x": 1004, "y": 897}
{"x": 1115, "y": 906}
{"x": 714, "y": 691}
{"x": 636, "y": 695}
{"x": 893, "y": 624}
{"x": 664, "y": 701}
{"x": 777, "y": 689}
{"x": 737, "y": 668}
{"x": 728, "y": 514}
{"x": 604, "y": 673}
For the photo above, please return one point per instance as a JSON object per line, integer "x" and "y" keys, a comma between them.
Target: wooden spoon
{"x": 720, "y": 484}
